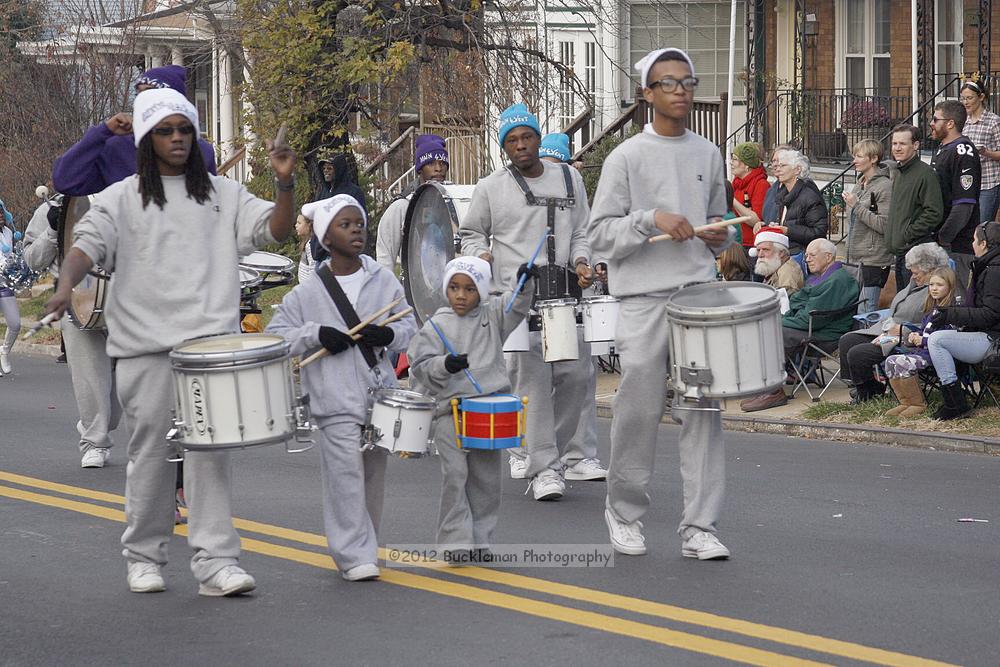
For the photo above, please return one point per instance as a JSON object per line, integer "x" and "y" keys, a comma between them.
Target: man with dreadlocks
{"x": 170, "y": 236}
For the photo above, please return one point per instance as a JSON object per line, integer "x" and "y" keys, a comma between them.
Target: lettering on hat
{"x": 172, "y": 106}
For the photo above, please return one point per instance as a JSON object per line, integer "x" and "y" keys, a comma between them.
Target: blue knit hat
{"x": 555, "y": 144}
{"x": 428, "y": 148}
{"x": 517, "y": 115}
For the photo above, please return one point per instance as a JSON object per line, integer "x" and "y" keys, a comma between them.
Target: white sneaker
{"x": 230, "y": 580}
{"x": 586, "y": 470}
{"x": 95, "y": 457}
{"x": 704, "y": 546}
{"x": 548, "y": 485}
{"x": 5, "y": 366}
{"x": 145, "y": 578}
{"x": 363, "y": 572}
{"x": 626, "y": 538}
{"x": 518, "y": 467}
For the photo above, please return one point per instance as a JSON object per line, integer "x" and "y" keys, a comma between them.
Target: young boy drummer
{"x": 475, "y": 329}
{"x": 663, "y": 180}
{"x": 346, "y": 289}
{"x": 171, "y": 236}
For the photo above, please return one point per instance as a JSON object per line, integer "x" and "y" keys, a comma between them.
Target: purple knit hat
{"x": 170, "y": 76}
{"x": 428, "y": 148}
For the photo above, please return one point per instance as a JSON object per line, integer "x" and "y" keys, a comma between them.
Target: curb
{"x": 849, "y": 433}
{"x": 798, "y": 428}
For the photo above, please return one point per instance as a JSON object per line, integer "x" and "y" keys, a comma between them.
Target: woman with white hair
{"x": 861, "y": 351}
{"x": 802, "y": 215}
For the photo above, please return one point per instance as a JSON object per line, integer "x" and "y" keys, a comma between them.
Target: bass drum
{"x": 430, "y": 241}
{"x": 86, "y": 308}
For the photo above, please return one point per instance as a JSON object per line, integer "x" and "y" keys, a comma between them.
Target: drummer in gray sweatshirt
{"x": 664, "y": 180}
{"x": 503, "y": 226}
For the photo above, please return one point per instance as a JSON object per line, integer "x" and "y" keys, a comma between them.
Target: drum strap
{"x": 555, "y": 281}
{"x": 343, "y": 305}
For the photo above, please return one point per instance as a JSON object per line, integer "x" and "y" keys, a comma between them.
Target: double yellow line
{"x": 696, "y": 643}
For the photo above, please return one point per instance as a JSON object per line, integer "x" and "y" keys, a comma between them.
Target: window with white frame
{"x": 700, "y": 28}
{"x": 949, "y": 16}
{"x": 590, "y": 79}
{"x": 864, "y": 26}
{"x": 566, "y": 106}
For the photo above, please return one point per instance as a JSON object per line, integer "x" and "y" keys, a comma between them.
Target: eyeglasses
{"x": 169, "y": 131}
{"x": 669, "y": 84}
{"x": 935, "y": 119}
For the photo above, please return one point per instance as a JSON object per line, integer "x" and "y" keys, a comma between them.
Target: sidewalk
{"x": 787, "y": 420}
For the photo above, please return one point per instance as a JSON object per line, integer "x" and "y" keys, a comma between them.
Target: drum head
{"x": 73, "y": 209}
{"x": 228, "y": 350}
{"x": 249, "y": 278}
{"x": 267, "y": 262}
{"x": 428, "y": 245}
{"x": 86, "y": 306}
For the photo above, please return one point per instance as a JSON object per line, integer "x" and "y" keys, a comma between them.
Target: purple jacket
{"x": 102, "y": 158}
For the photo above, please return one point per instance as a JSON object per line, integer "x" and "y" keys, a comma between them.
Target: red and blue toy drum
{"x": 491, "y": 422}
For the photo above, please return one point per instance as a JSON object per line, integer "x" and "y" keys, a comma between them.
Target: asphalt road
{"x": 842, "y": 554}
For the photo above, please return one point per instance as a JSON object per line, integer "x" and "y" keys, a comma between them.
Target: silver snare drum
{"x": 725, "y": 340}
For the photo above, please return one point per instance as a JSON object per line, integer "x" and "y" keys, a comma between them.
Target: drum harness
{"x": 369, "y": 434}
{"x": 554, "y": 282}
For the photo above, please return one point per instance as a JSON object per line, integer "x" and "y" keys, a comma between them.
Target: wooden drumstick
{"x": 353, "y": 332}
{"x": 711, "y": 225}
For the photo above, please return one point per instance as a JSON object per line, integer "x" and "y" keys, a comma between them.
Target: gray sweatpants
{"x": 353, "y": 489}
{"x": 93, "y": 375}
{"x": 146, "y": 392}
{"x": 642, "y": 341}
{"x": 556, "y": 396}
{"x": 470, "y": 491}
{"x": 583, "y": 444}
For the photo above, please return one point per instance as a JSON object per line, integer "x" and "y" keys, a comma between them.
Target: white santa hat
{"x": 769, "y": 237}
{"x": 323, "y": 211}
{"x": 646, "y": 63}
{"x": 477, "y": 269}
{"x": 153, "y": 105}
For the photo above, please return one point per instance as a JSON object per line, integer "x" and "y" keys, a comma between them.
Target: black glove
{"x": 377, "y": 336}
{"x": 454, "y": 363}
{"x": 53, "y": 217}
{"x": 530, "y": 270}
{"x": 334, "y": 340}
{"x": 938, "y": 318}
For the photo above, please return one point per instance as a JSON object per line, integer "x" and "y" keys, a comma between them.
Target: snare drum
{"x": 86, "y": 307}
{"x": 275, "y": 270}
{"x": 489, "y": 422}
{"x": 236, "y": 390}
{"x": 725, "y": 340}
{"x": 518, "y": 340}
{"x": 559, "y": 341}
{"x": 600, "y": 313}
{"x": 402, "y": 422}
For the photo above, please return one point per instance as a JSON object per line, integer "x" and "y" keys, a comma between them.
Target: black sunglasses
{"x": 169, "y": 131}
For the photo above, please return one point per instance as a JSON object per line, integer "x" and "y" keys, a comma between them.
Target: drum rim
{"x": 287, "y": 265}
{"x": 599, "y": 298}
{"x": 686, "y": 313}
{"x": 385, "y": 396}
{"x": 254, "y": 281}
{"x": 552, "y": 303}
{"x": 229, "y": 358}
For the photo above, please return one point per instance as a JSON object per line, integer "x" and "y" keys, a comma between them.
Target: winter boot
{"x": 868, "y": 390}
{"x": 954, "y": 402}
{"x": 911, "y": 399}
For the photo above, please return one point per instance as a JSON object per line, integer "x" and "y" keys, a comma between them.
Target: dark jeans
{"x": 858, "y": 357}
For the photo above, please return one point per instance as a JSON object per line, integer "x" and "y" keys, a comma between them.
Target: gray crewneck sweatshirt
{"x": 499, "y": 210}
{"x": 174, "y": 272}
{"x": 682, "y": 175}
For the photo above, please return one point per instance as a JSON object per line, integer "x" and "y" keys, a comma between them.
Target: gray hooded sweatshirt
{"x": 499, "y": 210}
{"x": 338, "y": 384}
{"x": 682, "y": 175}
{"x": 480, "y": 334}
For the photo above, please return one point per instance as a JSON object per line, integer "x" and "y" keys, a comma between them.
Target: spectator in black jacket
{"x": 979, "y": 322}
{"x": 340, "y": 177}
{"x": 960, "y": 174}
{"x": 802, "y": 215}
